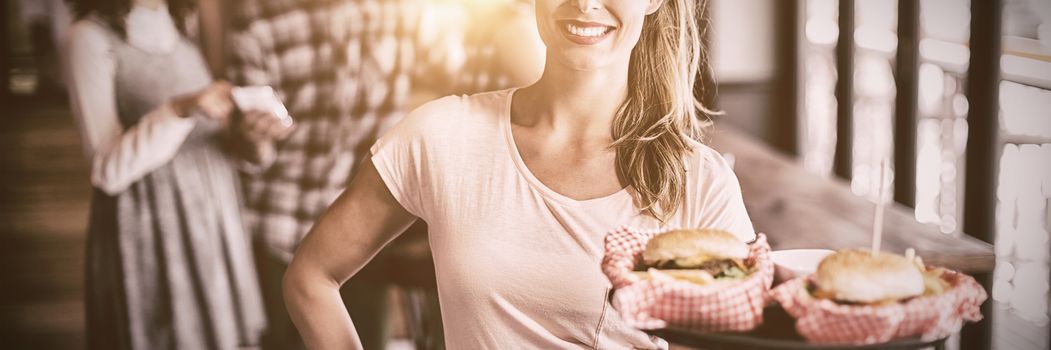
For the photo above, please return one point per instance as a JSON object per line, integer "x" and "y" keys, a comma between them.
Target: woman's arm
{"x": 361, "y": 221}
{"x": 118, "y": 157}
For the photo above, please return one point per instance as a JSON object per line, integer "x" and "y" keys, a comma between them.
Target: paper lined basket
{"x": 660, "y": 302}
{"x": 928, "y": 317}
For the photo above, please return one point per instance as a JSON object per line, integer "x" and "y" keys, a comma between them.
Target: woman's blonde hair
{"x": 653, "y": 129}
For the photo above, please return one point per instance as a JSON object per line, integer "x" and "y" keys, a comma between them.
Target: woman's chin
{"x": 583, "y": 62}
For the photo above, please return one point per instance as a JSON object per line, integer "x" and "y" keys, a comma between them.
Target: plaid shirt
{"x": 344, "y": 69}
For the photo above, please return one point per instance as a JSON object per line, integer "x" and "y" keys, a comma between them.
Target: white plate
{"x": 792, "y": 263}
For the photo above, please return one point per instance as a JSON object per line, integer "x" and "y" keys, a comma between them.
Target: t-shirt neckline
{"x": 534, "y": 182}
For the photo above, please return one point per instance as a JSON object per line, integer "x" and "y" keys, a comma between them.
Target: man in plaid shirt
{"x": 345, "y": 70}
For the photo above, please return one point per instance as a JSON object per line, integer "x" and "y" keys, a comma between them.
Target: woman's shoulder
{"x": 705, "y": 160}
{"x": 715, "y": 194}
{"x": 458, "y": 112}
{"x": 451, "y": 119}
{"x": 489, "y": 102}
{"x": 706, "y": 164}
{"x": 89, "y": 29}
{"x": 90, "y": 40}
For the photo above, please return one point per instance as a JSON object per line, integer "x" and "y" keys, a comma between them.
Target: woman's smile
{"x": 584, "y": 33}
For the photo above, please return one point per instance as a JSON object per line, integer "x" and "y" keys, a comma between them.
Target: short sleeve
{"x": 408, "y": 156}
{"x": 717, "y": 195}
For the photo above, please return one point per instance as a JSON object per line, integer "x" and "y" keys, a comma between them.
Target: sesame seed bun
{"x": 694, "y": 247}
{"x": 856, "y": 276}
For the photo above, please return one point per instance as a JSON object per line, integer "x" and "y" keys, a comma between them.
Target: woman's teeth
{"x": 587, "y": 31}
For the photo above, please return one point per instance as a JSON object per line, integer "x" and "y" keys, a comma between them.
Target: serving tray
{"x": 777, "y": 332}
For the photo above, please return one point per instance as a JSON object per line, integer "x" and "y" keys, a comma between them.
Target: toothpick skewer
{"x": 877, "y": 225}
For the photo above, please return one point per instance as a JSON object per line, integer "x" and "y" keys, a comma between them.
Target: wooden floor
{"x": 44, "y": 200}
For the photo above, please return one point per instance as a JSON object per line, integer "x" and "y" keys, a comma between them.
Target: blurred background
{"x": 955, "y": 94}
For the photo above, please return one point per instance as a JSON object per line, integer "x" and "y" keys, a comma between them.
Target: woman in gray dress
{"x": 169, "y": 265}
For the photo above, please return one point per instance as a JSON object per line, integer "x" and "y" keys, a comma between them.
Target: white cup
{"x": 792, "y": 263}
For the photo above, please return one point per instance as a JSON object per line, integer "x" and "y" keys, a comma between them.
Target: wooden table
{"x": 799, "y": 209}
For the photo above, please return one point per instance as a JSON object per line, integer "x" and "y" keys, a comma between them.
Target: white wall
{"x": 743, "y": 40}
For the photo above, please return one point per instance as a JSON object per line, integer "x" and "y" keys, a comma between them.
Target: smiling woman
{"x": 518, "y": 187}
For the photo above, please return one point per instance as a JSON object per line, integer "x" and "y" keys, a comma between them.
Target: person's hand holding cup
{"x": 264, "y": 118}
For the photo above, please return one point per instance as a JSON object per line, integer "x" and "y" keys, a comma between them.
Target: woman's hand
{"x": 361, "y": 221}
{"x": 213, "y": 101}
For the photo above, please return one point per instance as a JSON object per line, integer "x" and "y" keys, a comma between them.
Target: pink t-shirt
{"x": 518, "y": 263}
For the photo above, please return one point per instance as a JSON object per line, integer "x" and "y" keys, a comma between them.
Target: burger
{"x": 859, "y": 277}
{"x": 699, "y": 256}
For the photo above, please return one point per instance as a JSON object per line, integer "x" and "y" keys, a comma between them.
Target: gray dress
{"x": 169, "y": 264}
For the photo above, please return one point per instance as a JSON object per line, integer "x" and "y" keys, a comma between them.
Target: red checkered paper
{"x": 929, "y": 317}
{"x": 662, "y": 300}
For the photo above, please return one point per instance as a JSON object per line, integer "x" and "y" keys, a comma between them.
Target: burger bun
{"x": 694, "y": 246}
{"x": 857, "y": 276}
